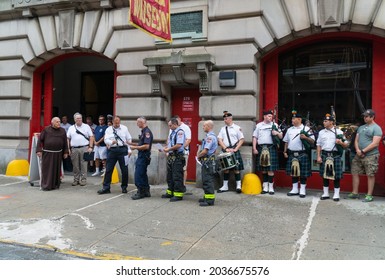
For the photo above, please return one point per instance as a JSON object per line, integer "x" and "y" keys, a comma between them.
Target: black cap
{"x": 296, "y": 114}
{"x": 329, "y": 117}
{"x": 369, "y": 112}
{"x": 267, "y": 112}
{"x": 227, "y": 114}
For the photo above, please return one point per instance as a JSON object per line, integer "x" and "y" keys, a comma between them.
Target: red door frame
{"x": 44, "y": 74}
{"x": 269, "y": 97}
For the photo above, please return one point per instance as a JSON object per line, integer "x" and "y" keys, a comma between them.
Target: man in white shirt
{"x": 230, "y": 139}
{"x": 80, "y": 141}
{"x": 266, "y": 150}
{"x": 187, "y": 133}
{"x": 118, "y": 140}
{"x": 298, "y": 140}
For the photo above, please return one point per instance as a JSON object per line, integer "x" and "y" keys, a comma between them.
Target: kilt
{"x": 274, "y": 164}
{"x": 304, "y": 164}
{"x": 337, "y": 166}
{"x": 238, "y": 158}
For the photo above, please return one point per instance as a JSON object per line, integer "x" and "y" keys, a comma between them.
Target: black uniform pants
{"x": 116, "y": 154}
{"x": 175, "y": 173}
{"x": 208, "y": 176}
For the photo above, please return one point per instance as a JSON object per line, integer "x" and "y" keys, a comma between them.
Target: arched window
{"x": 315, "y": 78}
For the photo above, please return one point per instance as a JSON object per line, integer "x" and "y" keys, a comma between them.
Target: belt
{"x": 330, "y": 153}
{"x": 296, "y": 153}
{"x": 116, "y": 147}
{"x": 77, "y": 147}
{"x": 265, "y": 145}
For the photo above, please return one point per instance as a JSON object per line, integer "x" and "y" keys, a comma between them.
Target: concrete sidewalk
{"x": 78, "y": 221}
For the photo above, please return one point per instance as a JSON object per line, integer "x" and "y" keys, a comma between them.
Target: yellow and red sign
{"x": 152, "y": 16}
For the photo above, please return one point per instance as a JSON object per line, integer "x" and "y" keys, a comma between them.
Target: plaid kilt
{"x": 238, "y": 158}
{"x": 337, "y": 166}
{"x": 304, "y": 164}
{"x": 274, "y": 164}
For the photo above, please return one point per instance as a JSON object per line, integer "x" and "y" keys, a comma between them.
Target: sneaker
{"x": 368, "y": 198}
{"x": 97, "y": 173}
{"x": 353, "y": 196}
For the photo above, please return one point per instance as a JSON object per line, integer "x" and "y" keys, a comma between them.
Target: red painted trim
{"x": 48, "y": 95}
{"x": 269, "y": 97}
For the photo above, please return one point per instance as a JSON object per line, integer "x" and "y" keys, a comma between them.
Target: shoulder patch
{"x": 147, "y": 135}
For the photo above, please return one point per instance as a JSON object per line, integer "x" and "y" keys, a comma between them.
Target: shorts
{"x": 367, "y": 165}
{"x": 100, "y": 152}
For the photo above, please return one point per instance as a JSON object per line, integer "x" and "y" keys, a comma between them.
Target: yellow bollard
{"x": 114, "y": 177}
{"x": 17, "y": 167}
{"x": 251, "y": 184}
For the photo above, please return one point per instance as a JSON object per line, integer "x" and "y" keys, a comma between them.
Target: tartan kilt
{"x": 238, "y": 158}
{"x": 274, "y": 164}
{"x": 337, "y": 167}
{"x": 304, "y": 165}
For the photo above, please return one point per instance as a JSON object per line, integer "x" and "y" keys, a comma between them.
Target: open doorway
{"x": 72, "y": 83}
{"x": 85, "y": 85}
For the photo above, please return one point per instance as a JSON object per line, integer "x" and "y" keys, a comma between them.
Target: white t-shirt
{"x": 327, "y": 139}
{"x": 235, "y": 134}
{"x": 262, "y": 133}
{"x": 77, "y": 139}
{"x": 293, "y": 138}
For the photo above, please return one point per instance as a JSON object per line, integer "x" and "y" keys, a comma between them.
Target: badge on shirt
{"x": 209, "y": 140}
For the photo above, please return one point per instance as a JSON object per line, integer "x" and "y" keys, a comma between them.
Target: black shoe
{"x": 176, "y": 198}
{"x": 239, "y": 190}
{"x": 271, "y": 193}
{"x": 147, "y": 194}
{"x": 292, "y": 194}
{"x": 336, "y": 199}
{"x": 263, "y": 192}
{"x": 124, "y": 190}
{"x": 138, "y": 195}
{"x": 103, "y": 191}
{"x": 324, "y": 197}
{"x": 166, "y": 195}
{"x": 201, "y": 200}
{"x": 302, "y": 195}
{"x": 207, "y": 202}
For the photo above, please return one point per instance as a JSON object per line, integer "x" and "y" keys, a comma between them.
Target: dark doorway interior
{"x": 83, "y": 84}
{"x": 96, "y": 92}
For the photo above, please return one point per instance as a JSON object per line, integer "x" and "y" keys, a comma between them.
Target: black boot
{"x": 138, "y": 195}
{"x": 147, "y": 192}
{"x": 207, "y": 202}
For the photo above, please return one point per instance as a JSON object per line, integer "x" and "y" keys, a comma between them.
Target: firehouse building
{"x": 61, "y": 57}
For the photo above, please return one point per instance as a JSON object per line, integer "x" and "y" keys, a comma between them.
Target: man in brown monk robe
{"x": 51, "y": 148}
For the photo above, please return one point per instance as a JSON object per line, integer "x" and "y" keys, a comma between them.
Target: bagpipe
{"x": 340, "y": 148}
{"x": 312, "y": 131}
{"x": 276, "y": 140}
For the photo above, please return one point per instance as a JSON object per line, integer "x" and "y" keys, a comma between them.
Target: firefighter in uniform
{"x": 266, "y": 150}
{"x": 207, "y": 158}
{"x": 330, "y": 145}
{"x": 298, "y": 140}
{"x": 144, "y": 159}
{"x": 175, "y": 162}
